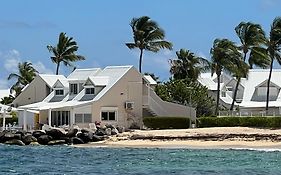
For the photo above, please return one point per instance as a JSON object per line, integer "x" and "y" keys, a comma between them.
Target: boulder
{"x": 109, "y": 126}
{"x": 86, "y": 136}
{"x": 72, "y": 133}
{"x": 44, "y": 139}
{"x": 108, "y": 131}
{"x": 120, "y": 129}
{"x": 8, "y": 136}
{"x": 96, "y": 138}
{"x": 100, "y": 132}
{"x": 114, "y": 131}
{"x": 27, "y": 139}
{"x": 17, "y": 136}
{"x": 76, "y": 140}
{"x": 2, "y": 134}
{"x": 38, "y": 133}
{"x": 56, "y": 142}
{"x": 56, "y": 133}
{"x": 15, "y": 142}
{"x": 22, "y": 133}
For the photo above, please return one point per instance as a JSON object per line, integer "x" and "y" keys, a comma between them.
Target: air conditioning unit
{"x": 129, "y": 105}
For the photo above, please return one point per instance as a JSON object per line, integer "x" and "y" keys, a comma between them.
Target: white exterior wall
{"x": 35, "y": 92}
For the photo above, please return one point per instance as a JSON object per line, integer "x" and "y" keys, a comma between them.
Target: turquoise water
{"x": 141, "y": 161}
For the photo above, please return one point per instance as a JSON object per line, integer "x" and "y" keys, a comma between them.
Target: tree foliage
{"x": 147, "y": 36}
{"x": 26, "y": 73}
{"x": 64, "y": 51}
{"x": 187, "y": 65}
{"x": 184, "y": 91}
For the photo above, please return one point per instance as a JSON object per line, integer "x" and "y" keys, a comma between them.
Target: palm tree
{"x": 25, "y": 75}
{"x": 223, "y": 55}
{"x": 147, "y": 36}
{"x": 187, "y": 65}
{"x": 274, "y": 50}
{"x": 7, "y": 100}
{"x": 252, "y": 37}
{"x": 64, "y": 51}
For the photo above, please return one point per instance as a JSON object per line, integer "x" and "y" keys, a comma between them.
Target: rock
{"x": 100, "y": 132}
{"x": 96, "y": 138}
{"x": 27, "y": 139}
{"x": 22, "y": 133}
{"x": 108, "y": 131}
{"x": 86, "y": 136}
{"x": 120, "y": 129}
{"x": 15, "y": 142}
{"x": 76, "y": 140}
{"x": 56, "y": 133}
{"x": 17, "y": 136}
{"x": 109, "y": 126}
{"x": 114, "y": 131}
{"x": 38, "y": 133}
{"x": 8, "y": 136}
{"x": 2, "y": 134}
{"x": 44, "y": 139}
{"x": 72, "y": 133}
{"x": 56, "y": 142}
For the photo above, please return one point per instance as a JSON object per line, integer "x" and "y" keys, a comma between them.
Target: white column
{"x": 4, "y": 120}
{"x": 50, "y": 116}
{"x": 24, "y": 120}
{"x": 71, "y": 118}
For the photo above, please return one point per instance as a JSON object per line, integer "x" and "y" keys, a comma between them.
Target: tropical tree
{"x": 252, "y": 39}
{"x": 223, "y": 55}
{"x": 184, "y": 90}
{"x": 64, "y": 51}
{"x": 7, "y": 100}
{"x": 147, "y": 36}
{"x": 187, "y": 65}
{"x": 26, "y": 73}
{"x": 274, "y": 50}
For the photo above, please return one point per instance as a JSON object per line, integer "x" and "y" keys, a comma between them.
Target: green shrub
{"x": 265, "y": 122}
{"x": 166, "y": 122}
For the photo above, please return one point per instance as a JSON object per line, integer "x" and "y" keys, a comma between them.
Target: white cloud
{"x": 11, "y": 60}
{"x": 201, "y": 54}
{"x": 41, "y": 68}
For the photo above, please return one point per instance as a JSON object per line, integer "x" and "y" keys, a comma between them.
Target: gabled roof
{"x": 61, "y": 83}
{"x": 99, "y": 80}
{"x": 83, "y": 74}
{"x": 50, "y": 80}
{"x": 109, "y": 76}
{"x": 150, "y": 80}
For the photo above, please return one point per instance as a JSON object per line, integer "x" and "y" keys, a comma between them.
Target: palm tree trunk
{"x": 218, "y": 93}
{"x": 237, "y": 85}
{"x": 268, "y": 84}
{"x": 140, "y": 61}
{"x": 235, "y": 93}
{"x": 58, "y": 66}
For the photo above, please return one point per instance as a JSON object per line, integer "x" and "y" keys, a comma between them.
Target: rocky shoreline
{"x": 58, "y": 136}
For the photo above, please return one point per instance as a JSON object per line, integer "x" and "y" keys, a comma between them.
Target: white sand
{"x": 122, "y": 139}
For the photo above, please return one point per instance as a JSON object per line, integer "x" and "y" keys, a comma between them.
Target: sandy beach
{"x": 241, "y": 137}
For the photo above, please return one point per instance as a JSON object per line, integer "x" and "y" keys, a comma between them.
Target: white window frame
{"x": 109, "y": 109}
{"x": 59, "y": 90}
{"x": 83, "y": 117}
{"x": 223, "y": 94}
{"x": 77, "y": 90}
{"x": 90, "y": 87}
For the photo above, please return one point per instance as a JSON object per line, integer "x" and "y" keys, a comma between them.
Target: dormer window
{"x": 59, "y": 92}
{"x": 90, "y": 91}
{"x": 73, "y": 89}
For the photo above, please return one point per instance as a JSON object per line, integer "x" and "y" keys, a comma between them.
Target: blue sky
{"x": 102, "y": 27}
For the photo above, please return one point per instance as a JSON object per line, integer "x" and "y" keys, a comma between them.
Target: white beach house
{"x": 118, "y": 95}
{"x": 251, "y": 95}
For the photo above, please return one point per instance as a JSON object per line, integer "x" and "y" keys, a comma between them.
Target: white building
{"x": 251, "y": 95}
{"x": 118, "y": 95}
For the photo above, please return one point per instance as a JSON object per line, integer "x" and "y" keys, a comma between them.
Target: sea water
{"x": 142, "y": 161}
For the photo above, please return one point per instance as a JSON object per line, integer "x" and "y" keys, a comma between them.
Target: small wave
{"x": 257, "y": 149}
